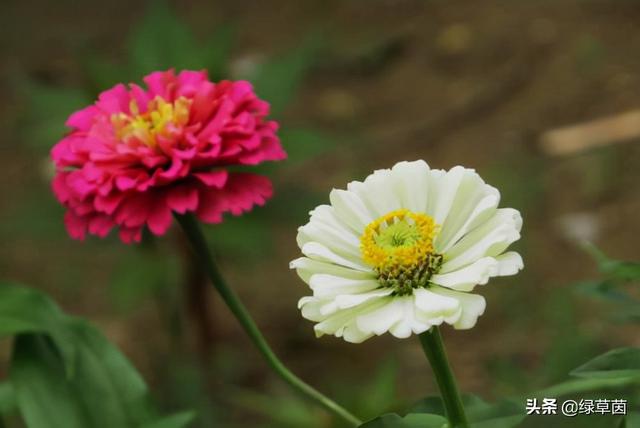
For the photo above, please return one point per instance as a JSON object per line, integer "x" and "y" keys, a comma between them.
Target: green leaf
{"x": 424, "y": 420}
{"x": 64, "y": 372}
{"x": 413, "y": 420}
{"x": 282, "y": 411}
{"x": 615, "y": 364}
{"x": 179, "y": 420}
{"x": 162, "y": 41}
{"x": 624, "y": 270}
{"x": 105, "y": 391}
{"x": 245, "y": 238}
{"x": 108, "y": 384}
{"x": 7, "y": 398}
{"x": 216, "y": 51}
{"x": 632, "y": 420}
{"x": 23, "y": 310}
{"x": 578, "y": 386}
{"x": 503, "y": 414}
{"x": 381, "y": 392}
{"x": 605, "y": 290}
{"x": 278, "y": 80}
{"x": 44, "y": 395}
{"x": 303, "y": 143}
{"x": 102, "y": 73}
{"x": 48, "y": 108}
{"x": 429, "y": 405}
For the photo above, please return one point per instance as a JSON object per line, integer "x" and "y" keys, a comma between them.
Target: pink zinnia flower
{"x": 137, "y": 155}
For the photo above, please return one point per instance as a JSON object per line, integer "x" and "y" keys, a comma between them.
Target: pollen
{"x": 159, "y": 120}
{"x": 399, "y": 247}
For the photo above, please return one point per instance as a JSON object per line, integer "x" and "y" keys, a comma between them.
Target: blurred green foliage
{"x": 63, "y": 372}
{"x": 617, "y": 286}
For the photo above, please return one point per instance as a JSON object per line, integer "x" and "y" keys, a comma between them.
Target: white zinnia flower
{"x": 401, "y": 252}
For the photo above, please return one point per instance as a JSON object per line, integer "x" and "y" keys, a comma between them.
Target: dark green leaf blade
{"x": 23, "y": 310}
{"x": 413, "y": 420}
{"x": 161, "y": 41}
{"x": 620, "y": 269}
{"x": 48, "y": 110}
{"x": 179, "y": 420}
{"x": 44, "y": 395}
{"x": 109, "y": 386}
{"x": 632, "y": 420}
{"x": 503, "y": 414}
{"x": 615, "y": 364}
{"x": 7, "y": 398}
{"x": 101, "y": 390}
{"x": 304, "y": 143}
{"x": 278, "y": 79}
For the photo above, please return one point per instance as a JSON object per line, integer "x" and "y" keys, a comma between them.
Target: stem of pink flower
{"x": 433, "y": 347}
{"x": 201, "y": 251}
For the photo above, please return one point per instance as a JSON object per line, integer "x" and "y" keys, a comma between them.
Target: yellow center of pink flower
{"x": 157, "y": 120}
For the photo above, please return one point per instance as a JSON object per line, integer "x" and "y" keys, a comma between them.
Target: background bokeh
{"x": 357, "y": 85}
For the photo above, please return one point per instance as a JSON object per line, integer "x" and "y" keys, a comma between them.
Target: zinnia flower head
{"x": 137, "y": 155}
{"x": 402, "y": 251}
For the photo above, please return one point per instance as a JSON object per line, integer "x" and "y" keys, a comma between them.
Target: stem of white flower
{"x": 433, "y": 347}
{"x": 201, "y": 251}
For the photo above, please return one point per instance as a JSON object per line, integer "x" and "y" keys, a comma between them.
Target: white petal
{"x": 317, "y": 309}
{"x": 380, "y": 320}
{"x": 410, "y": 322}
{"x": 509, "y": 263}
{"x": 324, "y": 285}
{"x": 436, "y": 307}
{"x": 310, "y": 308}
{"x": 473, "y": 305}
{"x": 412, "y": 183}
{"x": 325, "y": 228}
{"x": 317, "y": 251}
{"x": 306, "y": 267}
{"x": 488, "y": 239}
{"x": 351, "y": 209}
{"x": 354, "y": 335}
{"x": 448, "y": 185}
{"x": 466, "y": 278}
{"x": 474, "y": 203}
{"x": 343, "y": 323}
{"x": 435, "y": 177}
{"x": 346, "y": 301}
{"x": 378, "y": 192}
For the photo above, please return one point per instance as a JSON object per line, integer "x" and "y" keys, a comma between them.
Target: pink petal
{"x": 129, "y": 235}
{"x": 82, "y": 119}
{"x": 100, "y": 225}
{"x": 182, "y": 199}
{"x": 76, "y": 226}
{"x": 160, "y": 217}
{"x": 216, "y": 178}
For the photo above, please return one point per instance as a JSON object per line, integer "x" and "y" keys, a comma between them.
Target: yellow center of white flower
{"x": 399, "y": 247}
{"x": 145, "y": 127}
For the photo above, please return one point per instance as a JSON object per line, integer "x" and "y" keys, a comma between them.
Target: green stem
{"x": 199, "y": 245}
{"x": 433, "y": 347}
